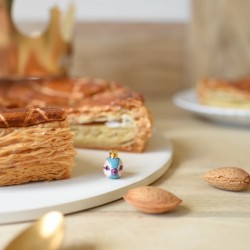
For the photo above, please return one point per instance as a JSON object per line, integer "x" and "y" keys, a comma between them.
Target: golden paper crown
{"x": 46, "y": 54}
{"x": 113, "y": 153}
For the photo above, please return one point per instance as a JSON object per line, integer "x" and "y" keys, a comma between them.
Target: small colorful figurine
{"x": 113, "y": 167}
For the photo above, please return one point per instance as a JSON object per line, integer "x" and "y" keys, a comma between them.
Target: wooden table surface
{"x": 208, "y": 218}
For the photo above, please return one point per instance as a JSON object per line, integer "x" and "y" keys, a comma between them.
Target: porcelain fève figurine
{"x": 113, "y": 167}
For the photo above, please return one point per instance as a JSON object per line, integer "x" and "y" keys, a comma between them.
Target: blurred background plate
{"x": 187, "y": 100}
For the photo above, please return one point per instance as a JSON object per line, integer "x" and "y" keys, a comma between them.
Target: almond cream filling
{"x": 109, "y": 129}
{"x": 102, "y": 136}
{"x": 225, "y": 99}
{"x": 105, "y": 130}
{"x": 117, "y": 119}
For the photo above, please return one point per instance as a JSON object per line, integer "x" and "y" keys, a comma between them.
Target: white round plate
{"x": 88, "y": 187}
{"x": 187, "y": 100}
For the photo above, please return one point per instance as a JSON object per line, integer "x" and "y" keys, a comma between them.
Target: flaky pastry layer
{"x": 39, "y": 152}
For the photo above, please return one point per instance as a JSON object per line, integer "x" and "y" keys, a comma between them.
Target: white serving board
{"x": 88, "y": 187}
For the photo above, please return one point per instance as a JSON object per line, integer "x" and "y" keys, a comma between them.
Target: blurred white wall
{"x": 107, "y": 10}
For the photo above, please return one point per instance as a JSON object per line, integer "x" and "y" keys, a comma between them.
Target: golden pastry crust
{"x": 24, "y": 117}
{"x": 70, "y": 93}
{"x": 224, "y": 93}
{"x": 35, "y": 153}
{"x": 86, "y": 101}
{"x": 35, "y": 145}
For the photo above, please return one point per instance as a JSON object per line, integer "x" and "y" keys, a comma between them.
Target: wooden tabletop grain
{"x": 151, "y": 59}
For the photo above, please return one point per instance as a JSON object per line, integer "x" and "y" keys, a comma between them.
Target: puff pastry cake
{"x": 102, "y": 114}
{"x": 224, "y": 93}
{"x": 35, "y": 144}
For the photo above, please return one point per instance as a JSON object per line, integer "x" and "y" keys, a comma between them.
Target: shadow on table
{"x": 80, "y": 247}
{"x": 180, "y": 211}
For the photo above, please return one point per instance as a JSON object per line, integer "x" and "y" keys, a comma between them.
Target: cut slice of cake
{"x": 102, "y": 114}
{"x": 35, "y": 145}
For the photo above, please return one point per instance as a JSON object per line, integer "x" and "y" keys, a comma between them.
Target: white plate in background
{"x": 187, "y": 100}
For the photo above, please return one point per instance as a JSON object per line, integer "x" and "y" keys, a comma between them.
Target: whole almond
{"x": 151, "y": 199}
{"x": 228, "y": 178}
